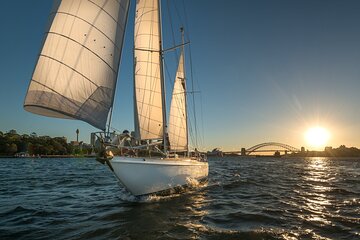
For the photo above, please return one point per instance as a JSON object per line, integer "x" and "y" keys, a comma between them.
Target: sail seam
{"x": 59, "y": 34}
{"x": 147, "y": 76}
{"x": 52, "y": 109}
{"x": 176, "y": 133}
{"x": 102, "y": 9}
{"x": 148, "y": 90}
{"x": 149, "y": 132}
{"x": 73, "y": 116}
{"x": 79, "y": 106}
{"x": 174, "y": 116}
{"x": 149, "y": 104}
{"x": 62, "y": 63}
{"x": 139, "y": 18}
{"x": 146, "y": 117}
{"x": 89, "y": 98}
{"x": 92, "y": 25}
{"x": 178, "y": 136}
{"x": 55, "y": 92}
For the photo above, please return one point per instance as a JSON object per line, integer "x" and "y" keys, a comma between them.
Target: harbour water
{"x": 245, "y": 198}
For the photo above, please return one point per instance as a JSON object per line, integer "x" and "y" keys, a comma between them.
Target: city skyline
{"x": 268, "y": 71}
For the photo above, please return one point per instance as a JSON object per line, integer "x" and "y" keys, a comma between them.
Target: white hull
{"x": 143, "y": 176}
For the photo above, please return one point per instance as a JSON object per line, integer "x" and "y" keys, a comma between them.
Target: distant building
{"x": 328, "y": 149}
{"x": 75, "y": 143}
{"x": 215, "y": 152}
{"x": 86, "y": 146}
{"x": 92, "y": 139}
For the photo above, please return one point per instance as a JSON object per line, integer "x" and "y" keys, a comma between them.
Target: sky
{"x": 267, "y": 70}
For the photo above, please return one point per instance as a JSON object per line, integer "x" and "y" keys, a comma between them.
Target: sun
{"x": 317, "y": 136}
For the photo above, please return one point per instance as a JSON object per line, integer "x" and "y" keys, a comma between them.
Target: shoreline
{"x": 52, "y": 156}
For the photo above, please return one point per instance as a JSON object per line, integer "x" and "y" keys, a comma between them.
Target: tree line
{"x": 12, "y": 143}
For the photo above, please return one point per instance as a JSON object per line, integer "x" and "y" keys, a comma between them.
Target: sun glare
{"x": 317, "y": 136}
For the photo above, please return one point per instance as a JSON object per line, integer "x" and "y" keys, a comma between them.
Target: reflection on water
{"x": 245, "y": 198}
{"x": 318, "y": 177}
{"x": 319, "y": 193}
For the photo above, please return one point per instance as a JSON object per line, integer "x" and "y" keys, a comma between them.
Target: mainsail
{"x": 147, "y": 66}
{"x": 177, "y": 121}
{"x": 75, "y": 76}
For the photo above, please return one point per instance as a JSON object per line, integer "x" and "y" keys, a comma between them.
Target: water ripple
{"x": 245, "y": 198}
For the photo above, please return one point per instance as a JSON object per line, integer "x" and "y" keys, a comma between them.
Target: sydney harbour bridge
{"x": 266, "y": 148}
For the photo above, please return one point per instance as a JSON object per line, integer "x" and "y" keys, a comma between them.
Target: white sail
{"x": 148, "y": 101}
{"x": 75, "y": 76}
{"x": 177, "y": 121}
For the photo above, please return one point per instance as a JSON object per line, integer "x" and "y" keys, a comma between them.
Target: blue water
{"x": 245, "y": 198}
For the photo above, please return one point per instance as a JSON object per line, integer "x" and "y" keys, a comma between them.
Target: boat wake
{"x": 193, "y": 186}
{"x": 128, "y": 197}
{"x": 192, "y": 182}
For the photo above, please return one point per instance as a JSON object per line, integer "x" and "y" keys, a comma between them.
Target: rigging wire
{"x": 193, "y": 126}
{"x": 193, "y": 136}
{"x": 176, "y": 60}
{"x": 172, "y": 29}
{"x": 191, "y": 110}
{"x": 202, "y": 137}
{"x": 192, "y": 77}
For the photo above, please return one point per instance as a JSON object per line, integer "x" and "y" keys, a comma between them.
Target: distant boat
{"x": 22, "y": 155}
{"x": 75, "y": 78}
{"x": 26, "y": 155}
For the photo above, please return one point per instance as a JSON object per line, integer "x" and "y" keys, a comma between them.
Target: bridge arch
{"x": 270, "y": 144}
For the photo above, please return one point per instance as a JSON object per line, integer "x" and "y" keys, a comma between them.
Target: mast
{"x": 114, "y": 92}
{"x": 185, "y": 91}
{"x": 163, "y": 95}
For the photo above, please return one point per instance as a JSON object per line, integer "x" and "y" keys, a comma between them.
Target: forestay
{"x": 75, "y": 76}
{"x": 148, "y": 100}
{"x": 177, "y": 121}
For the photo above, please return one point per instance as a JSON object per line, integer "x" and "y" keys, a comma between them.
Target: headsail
{"x": 147, "y": 67}
{"x": 177, "y": 121}
{"x": 75, "y": 76}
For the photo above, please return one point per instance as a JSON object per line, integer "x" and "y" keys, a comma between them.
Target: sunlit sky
{"x": 267, "y": 70}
